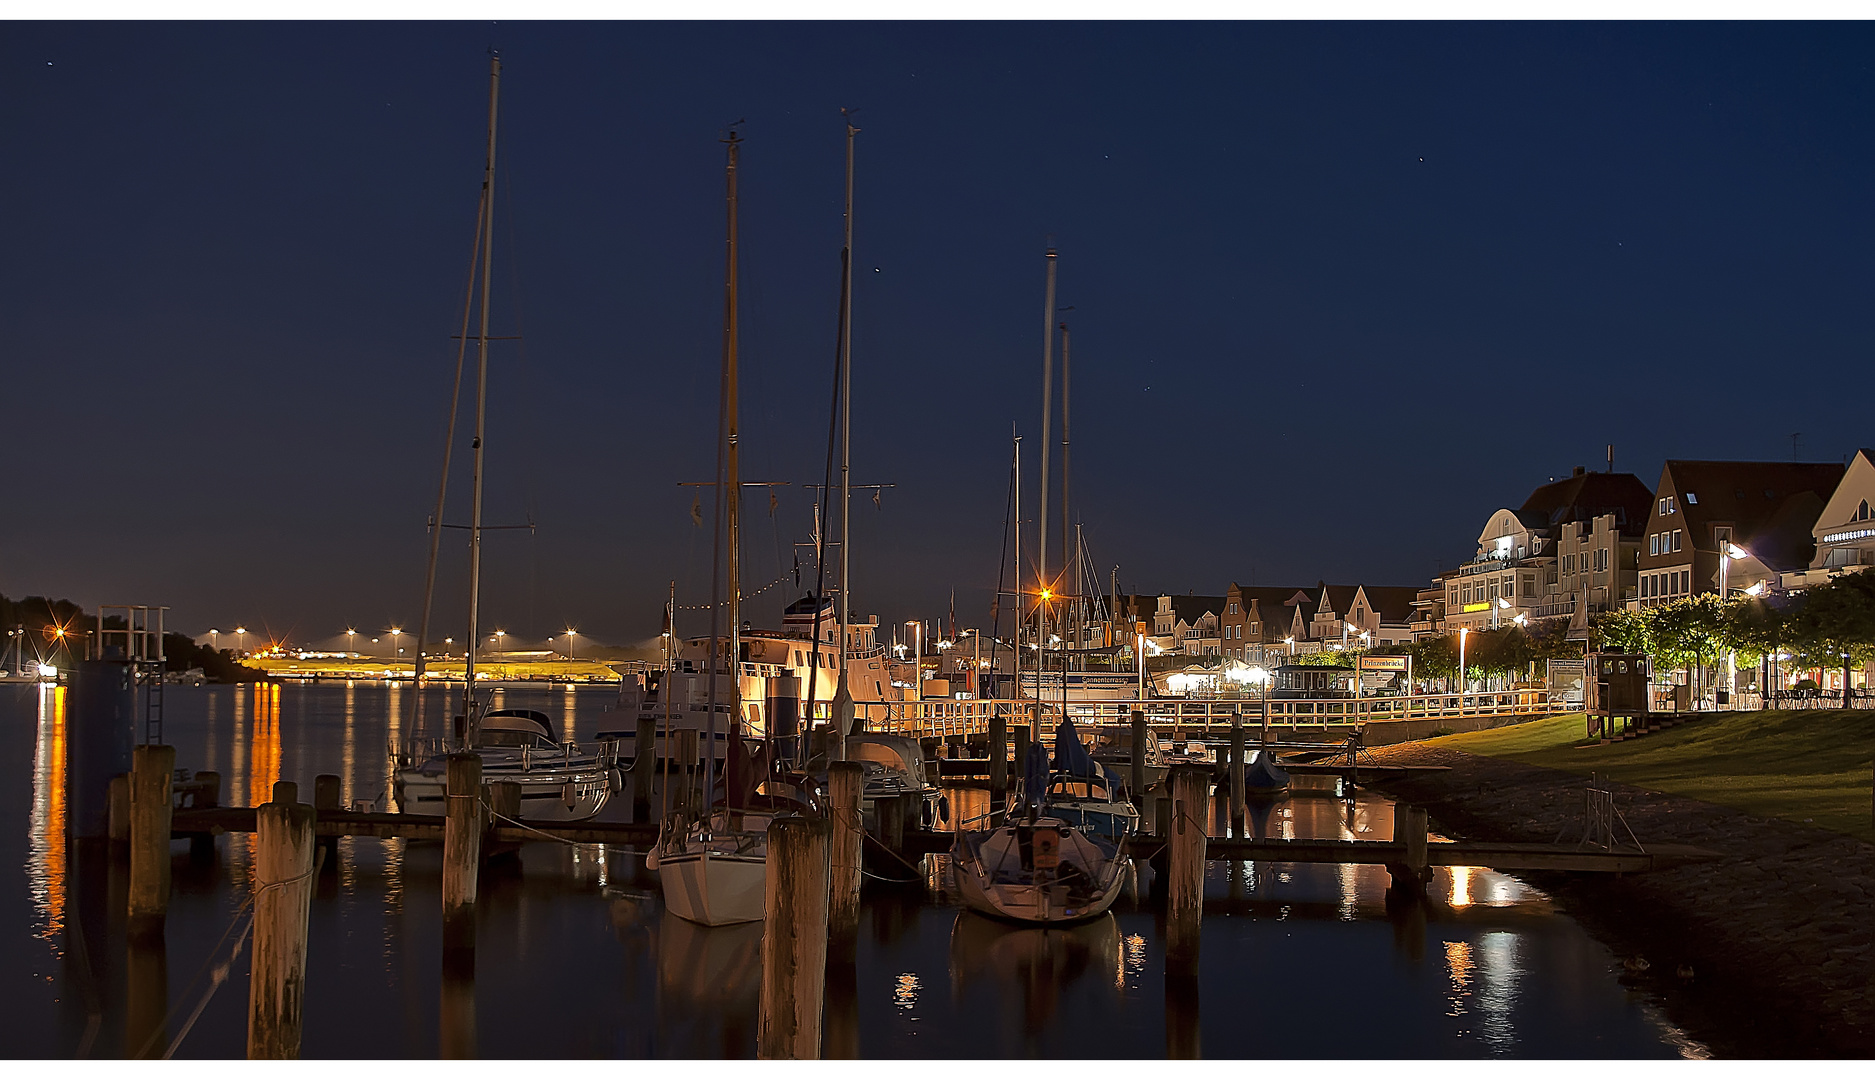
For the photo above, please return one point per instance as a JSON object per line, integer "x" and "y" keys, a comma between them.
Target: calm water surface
{"x": 577, "y": 958}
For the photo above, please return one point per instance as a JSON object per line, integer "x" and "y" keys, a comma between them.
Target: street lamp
{"x": 241, "y": 633}
{"x": 1728, "y": 552}
{"x": 395, "y": 633}
{"x": 214, "y": 640}
{"x": 1502, "y": 605}
{"x": 569, "y": 642}
{"x": 1291, "y": 642}
{"x": 351, "y": 636}
{"x": 1462, "y": 632}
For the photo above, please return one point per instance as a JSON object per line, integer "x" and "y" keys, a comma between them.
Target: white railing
{"x": 939, "y": 718}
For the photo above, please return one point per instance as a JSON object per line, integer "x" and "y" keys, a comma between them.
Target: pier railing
{"x": 943, "y": 717}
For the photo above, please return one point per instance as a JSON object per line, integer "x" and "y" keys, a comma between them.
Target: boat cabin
{"x": 518, "y": 729}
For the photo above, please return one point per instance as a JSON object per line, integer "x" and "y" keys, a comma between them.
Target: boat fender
{"x": 944, "y": 808}
{"x": 651, "y": 859}
{"x": 615, "y": 779}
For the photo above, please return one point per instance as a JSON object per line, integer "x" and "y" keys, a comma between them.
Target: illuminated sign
{"x": 1845, "y": 537}
{"x": 1476, "y": 607}
{"x": 1384, "y": 663}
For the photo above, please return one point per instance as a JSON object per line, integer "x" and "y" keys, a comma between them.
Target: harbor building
{"x": 1757, "y": 518}
{"x": 1844, "y": 533}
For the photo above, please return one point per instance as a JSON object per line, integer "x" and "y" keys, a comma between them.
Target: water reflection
{"x": 46, "y": 831}
{"x": 576, "y": 943}
{"x": 1042, "y": 963}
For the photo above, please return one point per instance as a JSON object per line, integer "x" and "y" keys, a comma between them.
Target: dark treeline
{"x": 38, "y": 629}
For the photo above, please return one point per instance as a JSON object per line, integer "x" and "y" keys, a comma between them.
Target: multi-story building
{"x": 1519, "y": 568}
{"x": 1343, "y": 612}
{"x": 1258, "y": 622}
{"x": 1756, "y": 516}
{"x": 1844, "y": 533}
{"x": 1189, "y": 625}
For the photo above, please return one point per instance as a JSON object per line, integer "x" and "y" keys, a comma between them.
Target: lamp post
{"x": 917, "y": 658}
{"x": 241, "y": 636}
{"x": 351, "y": 639}
{"x": 1462, "y": 632}
{"x": 214, "y": 641}
{"x": 1501, "y": 605}
{"x": 1727, "y": 553}
{"x": 396, "y": 632}
{"x": 569, "y": 643}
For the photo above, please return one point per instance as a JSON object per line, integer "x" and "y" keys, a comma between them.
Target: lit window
{"x": 1653, "y": 543}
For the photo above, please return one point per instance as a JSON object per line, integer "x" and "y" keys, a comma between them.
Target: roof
{"x": 1271, "y": 597}
{"x": 1771, "y": 506}
{"x": 1393, "y": 602}
{"x": 1586, "y": 496}
{"x": 1189, "y": 609}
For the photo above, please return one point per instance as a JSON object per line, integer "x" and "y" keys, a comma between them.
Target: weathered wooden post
{"x": 845, "y": 786}
{"x": 207, "y": 796}
{"x": 152, "y": 769}
{"x": 285, "y": 791}
{"x": 1184, "y": 894}
{"x": 1025, "y": 737}
{"x": 455, "y": 1014}
{"x": 462, "y": 850}
{"x": 794, "y": 939}
{"x": 1237, "y": 793}
{"x": 504, "y": 806}
{"x": 889, "y": 812}
{"x": 328, "y": 798}
{"x": 1138, "y": 779}
{"x": 283, "y": 866}
{"x": 644, "y": 765}
{"x": 688, "y": 762}
{"x": 120, "y": 809}
{"x": 999, "y": 759}
{"x": 1409, "y": 830}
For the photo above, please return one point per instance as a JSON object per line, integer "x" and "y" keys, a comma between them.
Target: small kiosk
{"x": 1614, "y": 685}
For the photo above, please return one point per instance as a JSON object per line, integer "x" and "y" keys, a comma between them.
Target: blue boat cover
{"x": 1071, "y": 755}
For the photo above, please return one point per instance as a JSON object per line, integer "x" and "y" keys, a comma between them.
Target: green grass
{"x": 1805, "y": 765}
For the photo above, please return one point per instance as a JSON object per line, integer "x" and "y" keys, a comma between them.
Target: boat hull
{"x": 987, "y": 883}
{"x": 547, "y": 794}
{"x": 713, "y": 888}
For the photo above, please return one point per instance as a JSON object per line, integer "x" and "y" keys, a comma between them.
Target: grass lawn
{"x": 1805, "y": 765}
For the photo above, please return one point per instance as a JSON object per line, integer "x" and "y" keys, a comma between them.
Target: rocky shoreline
{"x": 1762, "y": 952}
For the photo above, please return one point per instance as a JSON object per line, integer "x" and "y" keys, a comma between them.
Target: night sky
{"x": 1339, "y": 292}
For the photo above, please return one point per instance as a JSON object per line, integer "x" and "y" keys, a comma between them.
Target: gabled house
{"x": 1258, "y": 621}
{"x": 1844, "y": 533}
{"x": 1757, "y": 517}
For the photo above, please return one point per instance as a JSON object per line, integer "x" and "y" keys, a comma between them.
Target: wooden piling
{"x": 999, "y": 759}
{"x": 152, "y": 770}
{"x": 328, "y": 797}
{"x": 1184, "y": 894}
{"x": 1025, "y": 736}
{"x": 1138, "y": 779}
{"x": 283, "y": 866}
{"x": 644, "y": 766}
{"x": 504, "y": 805}
{"x": 462, "y": 850}
{"x": 120, "y": 808}
{"x": 845, "y": 786}
{"x": 1236, "y": 775}
{"x": 889, "y": 812}
{"x": 285, "y": 791}
{"x": 1412, "y": 871}
{"x": 207, "y": 796}
{"x": 794, "y": 939}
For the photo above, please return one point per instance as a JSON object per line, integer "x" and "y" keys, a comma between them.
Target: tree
{"x": 1835, "y": 625}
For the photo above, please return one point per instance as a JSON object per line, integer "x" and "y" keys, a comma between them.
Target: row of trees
{"x": 57, "y": 631}
{"x": 1830, "y": 626}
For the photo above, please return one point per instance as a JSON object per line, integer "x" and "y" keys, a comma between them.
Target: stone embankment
{"x": 1761, "y": 952}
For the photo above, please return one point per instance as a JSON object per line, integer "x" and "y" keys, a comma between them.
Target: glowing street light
{"x": 351, "y": 639}
{"x": 214, "y": 640}
{"x": 241, "y": 634}
{"x": 569, "y": 641}
{"x": 1462, "y": 632}
{"x": 396, "y": 632}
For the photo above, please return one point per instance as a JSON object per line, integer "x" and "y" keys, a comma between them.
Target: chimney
{"x": 1579, "y": 471}
{"x": 1611, "y": 457}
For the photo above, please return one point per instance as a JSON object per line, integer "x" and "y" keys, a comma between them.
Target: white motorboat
{"x": 559, "y": 782}
{"x": 1113, "y": 747}
{"x": 893, "y": 765}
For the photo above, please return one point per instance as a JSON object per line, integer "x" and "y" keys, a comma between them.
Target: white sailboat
{"x": 558, "y": 781}
{"x": 713, "y": 870}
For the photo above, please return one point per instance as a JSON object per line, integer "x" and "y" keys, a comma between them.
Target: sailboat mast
{"x": 1016, "y": 638}
{"x": 1041, "y": 519}
{"x": 1070, "y": 577}
{"x": 732, "y": 490}
{"x": 442, "y": 486}
{"x": 472, "y": 723}
{"x": 843, "y": 696}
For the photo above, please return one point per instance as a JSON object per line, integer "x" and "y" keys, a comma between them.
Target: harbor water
{"x": 576, "y": 956}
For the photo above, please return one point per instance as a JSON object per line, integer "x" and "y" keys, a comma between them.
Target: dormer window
{"x": 1692, "y": 499}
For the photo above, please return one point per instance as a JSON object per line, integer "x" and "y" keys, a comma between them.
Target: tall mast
{"x": 1071, "y": 579}
{"x": 1041, "y": 545}
{"x": 442, "y": 487}
{"x": 841, "y": 717}
{"x": 472, "y": 722}
{"x": 733, "y": 488}
{"x": 1016, "y": 638}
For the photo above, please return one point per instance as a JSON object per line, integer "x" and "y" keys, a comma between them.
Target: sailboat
{"x": 559, "y": 782}
{"x": 714, "y": 870}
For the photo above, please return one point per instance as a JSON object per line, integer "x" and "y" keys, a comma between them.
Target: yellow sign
{"x": 1469, "y": 608}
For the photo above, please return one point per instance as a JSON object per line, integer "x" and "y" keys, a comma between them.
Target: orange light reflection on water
{"x": 46, "y": 864}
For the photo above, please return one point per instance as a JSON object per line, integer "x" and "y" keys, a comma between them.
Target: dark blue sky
{"x": 1340, "y": 290}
